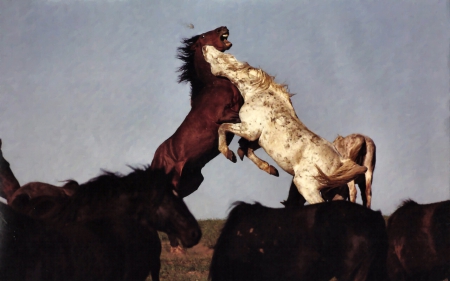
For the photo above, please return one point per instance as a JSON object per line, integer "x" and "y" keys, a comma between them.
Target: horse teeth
{"x": 225, "y": 35}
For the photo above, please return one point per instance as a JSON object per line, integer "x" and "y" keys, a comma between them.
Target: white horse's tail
{"x": 348, "y": 171}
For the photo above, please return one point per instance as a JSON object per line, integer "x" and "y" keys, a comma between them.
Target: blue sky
{"x": 90, "y": 85}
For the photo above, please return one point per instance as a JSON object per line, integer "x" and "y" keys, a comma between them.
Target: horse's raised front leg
{"x": 247, "y": 148}
{"x": 240, "y": 129}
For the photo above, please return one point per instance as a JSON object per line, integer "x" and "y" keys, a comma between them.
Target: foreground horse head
{"x": 419, "y": 242}
{"x": 316, "y": 242}
{"x": 8, "y": 182}
{"x": 143, "y": 195}
{"x": 269, "y": 117}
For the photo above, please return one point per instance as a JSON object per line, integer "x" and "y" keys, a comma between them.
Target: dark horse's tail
{"x": 348, "y": 171}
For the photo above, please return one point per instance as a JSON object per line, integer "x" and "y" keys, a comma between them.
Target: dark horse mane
{"x": 187, "y": 70}
{"x": 109, "y": 188}
{"x": 408, "y": 202}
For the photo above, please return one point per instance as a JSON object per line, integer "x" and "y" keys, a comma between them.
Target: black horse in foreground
{"x": 102, "y": 249}
{"x": 143, "y": 197}
{"x": 419, "y": 242}
{"x": 316, "y": 242}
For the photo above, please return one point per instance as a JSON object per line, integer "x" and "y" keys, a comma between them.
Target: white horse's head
{"x": 239, "y": 73}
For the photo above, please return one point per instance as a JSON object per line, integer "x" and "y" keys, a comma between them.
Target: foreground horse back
{"x": 316, "y": 242}
{"x": 8, "y": 182}
{"x": 419, "y": 242}
{"x": 269, "y": 117}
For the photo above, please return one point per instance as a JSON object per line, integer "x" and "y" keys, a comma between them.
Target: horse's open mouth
{"x": 224, "y": 39}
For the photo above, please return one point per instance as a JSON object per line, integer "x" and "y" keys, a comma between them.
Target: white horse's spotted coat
{"x": 268, "y": 115}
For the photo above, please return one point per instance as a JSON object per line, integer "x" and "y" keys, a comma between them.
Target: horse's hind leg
{"x": 294, "y": 198}
{"x": 308, "y": 187}
{"x": 352, "y": 191}
{"x": 366, "y": 189}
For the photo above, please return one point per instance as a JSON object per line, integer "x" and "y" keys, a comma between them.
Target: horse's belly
{"x": 279, "y": 152}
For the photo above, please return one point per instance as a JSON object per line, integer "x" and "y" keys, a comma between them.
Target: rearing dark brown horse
{"x": 214, "y": 100}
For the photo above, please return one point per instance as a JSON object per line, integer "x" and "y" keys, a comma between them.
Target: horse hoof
{"x": 273, "y": 171}
{"x": 241, "y": 153}
{"x": 231, "y": 156}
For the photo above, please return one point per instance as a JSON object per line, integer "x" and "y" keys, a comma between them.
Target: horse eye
{"x": 203, "y": 35}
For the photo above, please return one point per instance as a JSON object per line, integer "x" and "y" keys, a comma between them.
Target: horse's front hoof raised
{"x": 273, "y": 171}
{"x": 231, "y": 156}
{"x": 241, "y": 153}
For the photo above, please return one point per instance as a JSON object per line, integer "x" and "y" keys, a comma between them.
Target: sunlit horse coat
{"x": 268, "y": 115}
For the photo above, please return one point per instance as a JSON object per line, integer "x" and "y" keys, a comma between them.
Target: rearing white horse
{"x": 269, "y": 117}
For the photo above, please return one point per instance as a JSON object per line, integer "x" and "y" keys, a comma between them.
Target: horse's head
{"x": 168, "y": 212}
{"x": 217, "y": 38}
{"x": 239, "y": 73}
{"x": 195, "y": 70}
{"x": 174, "y": 218}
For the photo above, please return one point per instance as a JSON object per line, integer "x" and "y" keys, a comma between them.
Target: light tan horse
{"x": 269, "y": 117}
{"x": 362, "y": 150}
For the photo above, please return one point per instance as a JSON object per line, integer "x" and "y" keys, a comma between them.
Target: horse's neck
{"x": 203, "y": 69}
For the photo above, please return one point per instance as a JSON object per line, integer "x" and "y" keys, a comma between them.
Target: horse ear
{"x": 0, "y": 143}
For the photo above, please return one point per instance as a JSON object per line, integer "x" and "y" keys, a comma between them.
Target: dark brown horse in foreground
{"x": 356, "y": 147}
{"x": 419, "y": 242}
{"x": 214, "y": 101}
{"x": 312, "y": 243}
{"x": 144, "y": 196}
{"x": 114, "y": 248}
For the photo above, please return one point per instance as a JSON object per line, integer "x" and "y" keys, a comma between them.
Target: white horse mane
{"x": 263, "y": 81}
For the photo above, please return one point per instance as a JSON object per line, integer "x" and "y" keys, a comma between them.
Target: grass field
{"x": 194, "y": 265}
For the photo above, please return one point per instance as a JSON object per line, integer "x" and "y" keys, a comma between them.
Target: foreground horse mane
{"x": 111, "y": 188}
{"x": 187, "y": 70}
{"x": 111, "y": 184}
{"x": 408, "y": 202}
